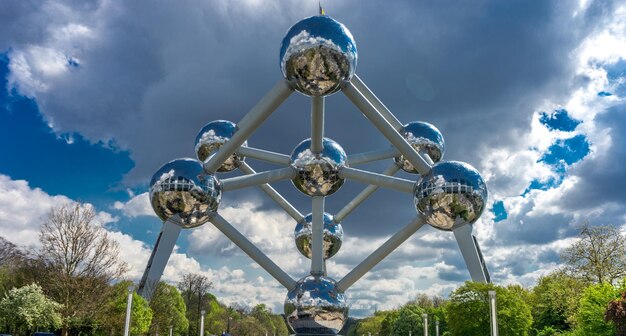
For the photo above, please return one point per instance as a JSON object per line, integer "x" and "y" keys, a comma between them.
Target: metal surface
{"x": 181, "y": 188}
{"x": 263, "y": 155}
{"x": 129, "y": 306}
{"x": 452, "y": 194}
{"x": 373, "y": 259}
{"x": 425, "y": 138}
{"x": 362, "y": 196}
{"x": 253, "y": 252}
{"x": 372, "y": 99}
{"x": 381, "y": 154}
{"x": 493, "y": 312}
{"x": 471, "y": 253}
{"x": 386, "y": 128}
{"x": 317, "y": 235}
{"x": 202, "y": 313}
{"x": 316, "y": 307}
{"x": 159, "y": 257}
{"x": 212, "y": 137}
{"x": 250, "y": 122}
{"x": 318, "y": 174}
{"x": 317, "y": 124}
{"x": 318, "y": 55}
{"x": 333, "y": 236}
{"x": 425, "y": 319}
{"x": 273, "y": 194}
{"x": 258, "y": 178}
{"x": 380, "y": 180}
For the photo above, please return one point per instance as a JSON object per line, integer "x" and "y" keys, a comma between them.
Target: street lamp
{"x": 425, "y": 317}
{"x": 129, "y": 305}
{"x": 436, "y": 326}
{"x": 228, "y": 326}
{"x": 202, "y": 322}
{"x": 493, "y": 313}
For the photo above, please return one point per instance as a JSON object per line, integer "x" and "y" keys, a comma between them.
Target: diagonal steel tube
{"x": 381, "y": 154}
{"x": 317, "y": 124}
{"x": 380, "y": 180}
{"x": 317, "y": 239}
{"x": 383, "y": 251}
{"x": 252, "y": 251}
{"x": 362, "y": 196}
{"x": 258, "y": 178}
{"x": 471, "y": 253}
{"x": 371, "y": 97}
{"x": 377, "y": 119}
{"x": 273, "y": 194}
{"x": 263, "y": 155}
{"x": 250, "y": 122}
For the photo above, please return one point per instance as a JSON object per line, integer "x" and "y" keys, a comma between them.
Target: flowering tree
{"x": 26, "y": 308}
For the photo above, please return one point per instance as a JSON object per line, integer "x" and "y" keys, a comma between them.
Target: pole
{"x": 202, "y": 322}
{"x": 317, "y": 236}
{"x": 436, "y": 327}
{"x": 171, "y": 330}
{"x": 129, "y": 305}
{"x": 425, "y": 317}
{"x": 494, "y": 313}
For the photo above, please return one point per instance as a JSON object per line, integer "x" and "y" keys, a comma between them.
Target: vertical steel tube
{"x": 437, "y": 327}
{"x": 317, "y": 239}
{"x": 129, "y": 307}
{"x": 373, "y": 259}
{"x": 252, "y": 251}
{"x": 250, "y": 122}
{"x": 386, "y": 128}
{"x": 425, "y": 318}
{"x": 317, "y": 124}
{"x": 202, "y": 313}
{"x": 493, "y": 312}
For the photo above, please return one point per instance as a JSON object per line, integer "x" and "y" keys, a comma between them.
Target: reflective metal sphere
{"x": 211, "y": 137}
{"x": 423, "y": 137}
{"x": 181, "y": 188}
{"x": 316, "y": 307}
{"x": 453, "y": 193}
{"x": 333, "y": 236}
{"x": 318, "y": 55}
{"x": 318, "y": 174}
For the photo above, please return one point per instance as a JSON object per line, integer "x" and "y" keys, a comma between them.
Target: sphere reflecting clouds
{"x": 316, "y": 307}
{"x": 318, "y": 174}
{"x": 453, "y": 193}
{"x": 424, "y": 137}
{"x": 211, "y": 137}
{"x": 181, "y": 188}
{"x": 333, "y": 236}
{"x": 318, "y": 55}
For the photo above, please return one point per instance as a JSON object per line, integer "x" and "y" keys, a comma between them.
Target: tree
{"x": 409, "y": 320}
{"x": 599, "y": 256}
{"x": 467, "y": 311}
{"x": 616, "y": 313}
{"x": 26, "y": 308}
{"x": 114, "y": 311}
{"x": 386, "y": 327}
{"x": 168, "y": 309}
{"x": 79, "y": 261}
{"x": 591, "y": 309}
{"x": 194, "y": 288}
{"x": 555, "y": 300}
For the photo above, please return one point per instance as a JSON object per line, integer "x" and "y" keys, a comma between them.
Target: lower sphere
{"x": 316, "y": 307}
{"x": 333, "y": 236}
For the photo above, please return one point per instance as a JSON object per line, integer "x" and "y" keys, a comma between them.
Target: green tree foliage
{"x": 599, "y": 256}
{"x": 467, "y": 312}
{"x": 115, "y": 311}
{"x": 27, "y": 308}
{"x": 373, "y": 324}
{"x": 168, "y": 309}
{"x": 554, "y": 301}
{"x": 409, "y": 319}
{"x": 386, "y": 327}
{"x": 591, "y": 310}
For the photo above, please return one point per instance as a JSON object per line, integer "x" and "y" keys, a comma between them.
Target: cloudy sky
{"x": 96, "y": 95}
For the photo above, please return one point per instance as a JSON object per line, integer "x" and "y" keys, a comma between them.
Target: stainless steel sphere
{"x": 318, "y": 55}
{"x": 316, "y": 307}
{"x": 211, "y": 137}
{"x": 424, "y": 137}
{"x": 453, "y": 193}
{"x": 318, "y": 174}
{"x": 181, "y": 188}
{"x": 333, "y": 236}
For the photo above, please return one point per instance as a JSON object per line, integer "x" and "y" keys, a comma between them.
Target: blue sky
{"x": 96, "y": 95}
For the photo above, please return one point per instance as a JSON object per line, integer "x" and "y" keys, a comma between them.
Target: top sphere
{"x": 318, "y": 55}
{"x": 424, "y": 137}
{"x": 451, "y": 194}
{"x": 211, "y": 138}
{"x": 181, "y": 188}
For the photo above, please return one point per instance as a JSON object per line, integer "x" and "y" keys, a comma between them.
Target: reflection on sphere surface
{"x": 211, "y": 138}
{"x": 333, "y": 236}
{"x": 424, "y": 137}
{"x": 318, "y": 174}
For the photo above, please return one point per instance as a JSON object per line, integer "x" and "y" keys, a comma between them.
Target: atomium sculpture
{"x": 318, "y": 57}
